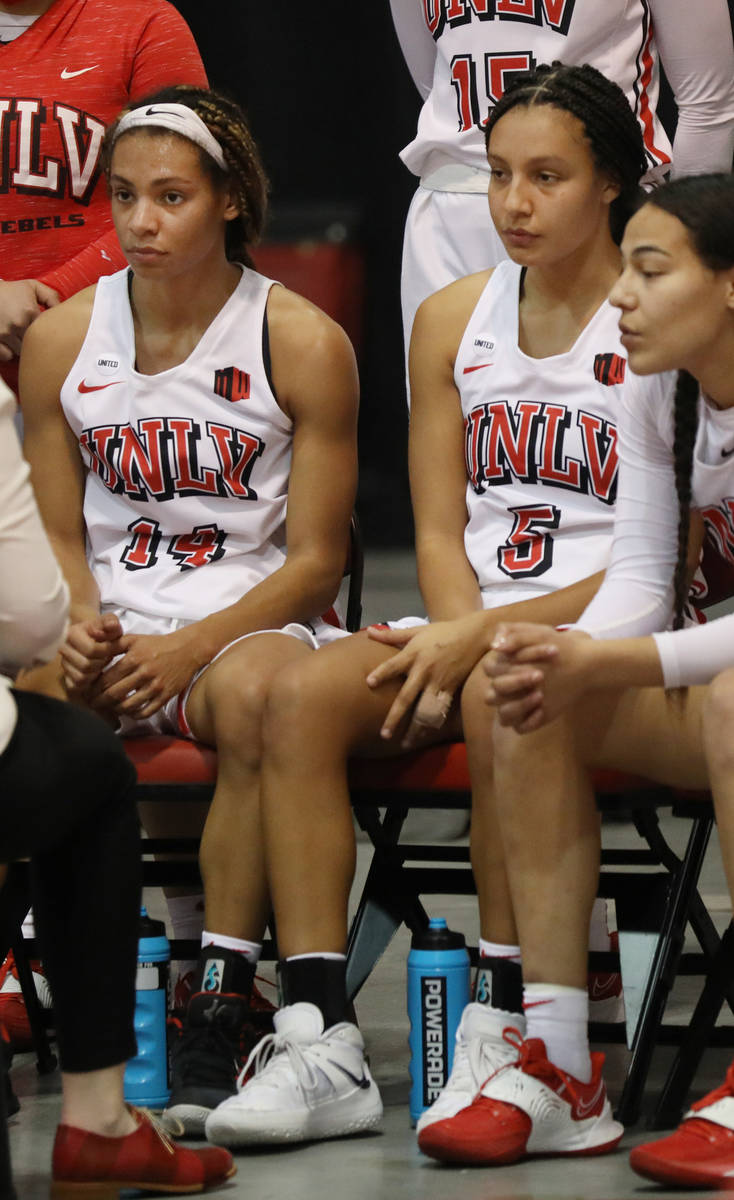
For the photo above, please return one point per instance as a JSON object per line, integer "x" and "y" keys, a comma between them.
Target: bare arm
{"x": 436, "y": 452}
{"x": 57, "y": 470}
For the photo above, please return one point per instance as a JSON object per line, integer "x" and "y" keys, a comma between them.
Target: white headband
{"x": 180, "y": 119}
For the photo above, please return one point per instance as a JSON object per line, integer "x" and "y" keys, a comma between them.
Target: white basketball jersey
{"x": 187, "y": 482}
{"x": 482, "y": 44}
{"x": 541, "y": 448}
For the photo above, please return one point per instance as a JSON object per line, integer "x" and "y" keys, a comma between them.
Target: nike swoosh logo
{"x": 583, "y": 1110}
{"x": 360, "y": 1083}
{"x": 468, "y": 370}
{"x": 727, "y": 453}
{"x": 96, "y": 387}
{"x": 73, "y": 74}
{"x": 603, "y": 986}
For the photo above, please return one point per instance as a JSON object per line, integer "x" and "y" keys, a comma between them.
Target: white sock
{"x": 559, "y": 1017}
{"x": 498, "y": 950}
{"x": 319, "y": 954}
{"x": 250, "y": 950}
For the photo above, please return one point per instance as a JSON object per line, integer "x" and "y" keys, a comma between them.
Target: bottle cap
{"x": 438, "y": 937}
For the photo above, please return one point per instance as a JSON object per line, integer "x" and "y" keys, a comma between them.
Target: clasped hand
{"x": 535, "y": 672}
{"x": 126, "y": 674}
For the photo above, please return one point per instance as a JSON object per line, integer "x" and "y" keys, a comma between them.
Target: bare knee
{"x": 718, "y": 720}
{"x": 299, "y": 698}
{"x": 237, "y": 713}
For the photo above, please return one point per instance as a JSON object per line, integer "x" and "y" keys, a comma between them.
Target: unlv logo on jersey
{"x": 162, "y": 458}
{"x": 232, "y": 384}
{"x": 609, "y": 368}
{"x": 529, "y": 444}
{"x": 554, "y": 13}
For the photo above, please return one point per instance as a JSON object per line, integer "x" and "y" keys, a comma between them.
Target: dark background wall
{"x": 331, "y": 104}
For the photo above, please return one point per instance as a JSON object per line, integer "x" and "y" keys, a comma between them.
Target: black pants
{"x": 65, "y": 802}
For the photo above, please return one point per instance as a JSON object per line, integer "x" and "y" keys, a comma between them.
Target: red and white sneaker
{"x": 480, "y": 1050}
{"x": 701, "y": 1151}
{"x": 13, "y": 1012}
{"x": 527, "y": 1109}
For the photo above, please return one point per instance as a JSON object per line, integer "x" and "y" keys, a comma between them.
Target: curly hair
{"x": 245, "y": 174}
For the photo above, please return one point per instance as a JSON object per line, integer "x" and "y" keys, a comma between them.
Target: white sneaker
{"x": 308, "y": 1083}
{"x": 479, "y": 1051}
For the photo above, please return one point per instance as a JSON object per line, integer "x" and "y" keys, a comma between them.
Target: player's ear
{"x": 729, "y": 289}
{"x": 610, "y": 189}
{"x": 231, "y": 207}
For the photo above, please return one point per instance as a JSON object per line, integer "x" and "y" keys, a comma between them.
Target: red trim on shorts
{"x": 183, "y": 724}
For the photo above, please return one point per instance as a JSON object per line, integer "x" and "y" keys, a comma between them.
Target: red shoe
{"x": 701, "y": 1151}
{"x": 13, "y": 1012}
{"x": 89, "y": 1164}
{"x": 527, "y": 1108}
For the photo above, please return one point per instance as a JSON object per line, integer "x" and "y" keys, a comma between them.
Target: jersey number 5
{"x": 528, "y": 550}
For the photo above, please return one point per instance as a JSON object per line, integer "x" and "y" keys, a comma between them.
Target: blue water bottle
{"x": 146, "y": 1076}
{"x": 438, "y": 992}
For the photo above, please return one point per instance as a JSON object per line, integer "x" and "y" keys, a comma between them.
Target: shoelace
{"x": 472, "y": 1065}
{"x": 146, "y": 1115}
{"x": 720, "y": 1093}
{"x": 539, "y": 1068}
{"x": 269, "y": 1049}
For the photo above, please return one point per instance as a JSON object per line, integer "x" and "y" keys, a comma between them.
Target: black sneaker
{"x": 205, "y": 1061}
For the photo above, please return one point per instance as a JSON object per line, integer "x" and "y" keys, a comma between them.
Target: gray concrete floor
{"x": 388, "y": 1164}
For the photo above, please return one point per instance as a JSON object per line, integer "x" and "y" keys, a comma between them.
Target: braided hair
{"x": 609, "y": 124}
{"x": 704, "y": 204}
{"x": 245, "y": 176}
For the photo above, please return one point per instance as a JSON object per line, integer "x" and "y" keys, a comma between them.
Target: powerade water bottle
{"x": 146, "y": 1075}
{"x": 438, "y": 992}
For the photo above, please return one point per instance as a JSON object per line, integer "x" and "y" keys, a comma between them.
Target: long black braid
{"x": 246, "y": 176}
{"x": 611, "y": 127}
{"x": 685, "y": 425}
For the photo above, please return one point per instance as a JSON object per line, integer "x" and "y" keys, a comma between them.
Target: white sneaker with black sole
{"x": 308, "y": 1083}
{"x": 480, "y": 1050}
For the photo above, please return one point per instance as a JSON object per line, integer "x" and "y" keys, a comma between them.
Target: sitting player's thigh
{"x": 227, "y": 699}
{"x": 646, "y": 731}
{"x": 329, "y": 692}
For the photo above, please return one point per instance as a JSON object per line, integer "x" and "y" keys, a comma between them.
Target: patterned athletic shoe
{"x": 204, "y": 1061}
{"x": 480, "y": 1050}
{"x": 527, "y": 1109}
{"x": 307, "y": 1083}
{"x": 700, "y": 1154}
{"x": 13, "y": 1012}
